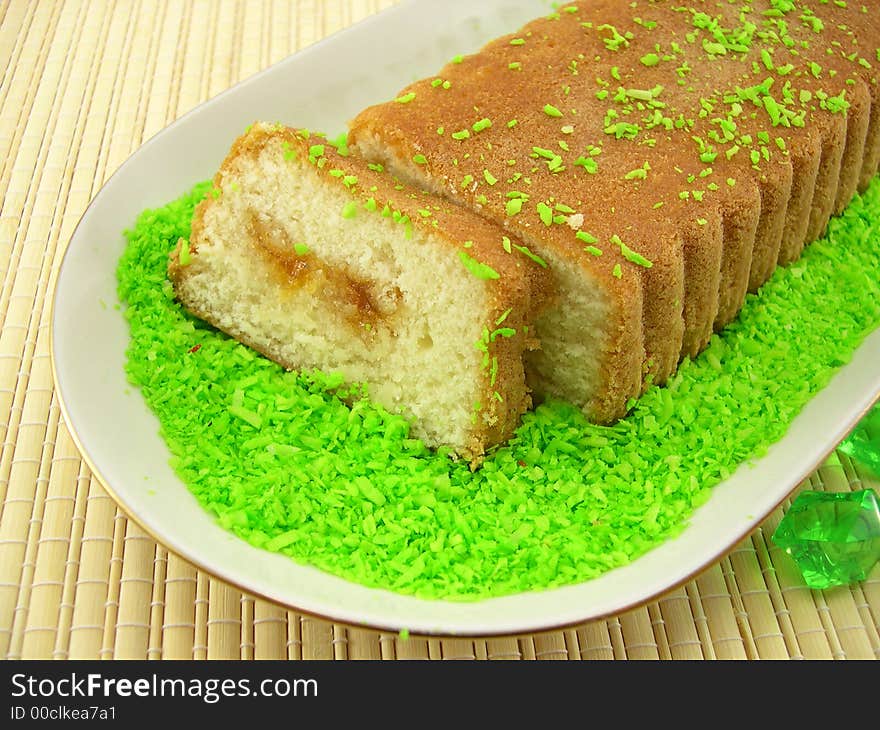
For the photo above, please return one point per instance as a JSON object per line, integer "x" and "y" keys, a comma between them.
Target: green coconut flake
{"x": 332, "y": 481}
{"x": 586, "y": 237}
{"x": 588, "y": 163}
{"x": 350, "y": 209}
{"x": 340, "y": 144}
{"x": 248, "y": 416}
{"x": 629, "y": 254}
{"x": 184, "y": 257}
{"x": 478, "y": 269}
{"x": 545, "y": 212}
{"x": 514, "y": 206}
{"x": 482, "y": 125}
{"x": 533, "y": 256}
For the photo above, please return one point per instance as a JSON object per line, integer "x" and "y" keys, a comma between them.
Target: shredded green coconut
{"x": 283, "y": 462}
{"x": 477, "y": 268}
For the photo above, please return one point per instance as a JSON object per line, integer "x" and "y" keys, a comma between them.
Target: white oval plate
{"x": 322, "y": 88}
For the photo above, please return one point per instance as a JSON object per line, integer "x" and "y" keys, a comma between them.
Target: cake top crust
{"x": 603, "y": 126}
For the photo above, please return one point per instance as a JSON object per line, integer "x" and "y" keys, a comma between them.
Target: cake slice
{"x": 321, "y": 261}
{"x": 663, "y": 157}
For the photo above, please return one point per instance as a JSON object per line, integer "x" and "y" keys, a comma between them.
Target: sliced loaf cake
{"x": 663, "y": 157}
{"x": 319, "y": 260}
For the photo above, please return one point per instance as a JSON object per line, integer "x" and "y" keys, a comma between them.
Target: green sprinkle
{"x": 406, "y": 98}
{"x": 184, "y": 257}
{"x": 588, "y": 163}
{"x": 482, "y": 124}
{"x": 350, "y": 209}
{"x": 629, "y": 254}
{"x": 586, "y": 237}
{"x": 341, "y": 144}
{"x": 420, "y": 159}
{"x": 533, "y": 256}
{"x": 546, "y": 213}
{"x": 481, "y": 271}
{"x": 462, "y": 134}
{"x": 640, "y": 173}
{"x": 301, "y": 249}
{"x": 617, "y": 272}
{"x": 552, "y": 111}
{"x": 650, "y": 59}
{"x": 247, "y": 416}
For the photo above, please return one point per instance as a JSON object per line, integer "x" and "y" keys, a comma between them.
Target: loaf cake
{"x": 663, "y": 158}
{"x": 321, "y": 261}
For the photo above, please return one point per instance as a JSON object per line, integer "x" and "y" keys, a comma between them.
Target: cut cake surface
{"x": 321, "y": 261}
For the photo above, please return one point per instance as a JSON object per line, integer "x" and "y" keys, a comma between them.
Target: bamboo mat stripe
{"x": 83, "y": 84}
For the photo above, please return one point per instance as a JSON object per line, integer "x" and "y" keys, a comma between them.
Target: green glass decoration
{"x": 833, "y": 537}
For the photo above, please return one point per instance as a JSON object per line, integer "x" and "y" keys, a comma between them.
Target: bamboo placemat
{"x": 83, "y": 85}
